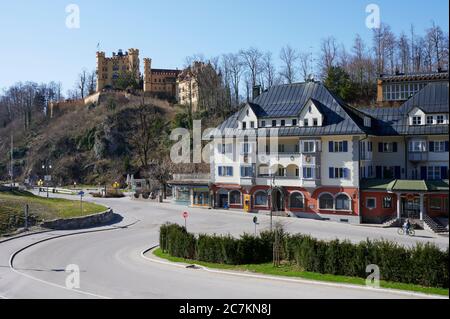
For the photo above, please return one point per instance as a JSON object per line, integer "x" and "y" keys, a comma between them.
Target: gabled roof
{"x": 340, "y": 118}
{"x": 288, "y": 100}
{"x": 432, "y": 99}
{"x": 393, "y": 185}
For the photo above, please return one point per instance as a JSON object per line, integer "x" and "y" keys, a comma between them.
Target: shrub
{"x": 424, "y": 265}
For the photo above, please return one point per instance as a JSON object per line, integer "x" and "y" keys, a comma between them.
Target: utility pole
{"x": 12, "y": 161}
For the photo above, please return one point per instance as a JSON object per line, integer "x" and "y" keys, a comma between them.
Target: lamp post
{"x": 272, "y": 185}
{"x": 47, "y": 166}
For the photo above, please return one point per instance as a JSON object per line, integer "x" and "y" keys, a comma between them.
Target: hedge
{"x": 423, "y": 264}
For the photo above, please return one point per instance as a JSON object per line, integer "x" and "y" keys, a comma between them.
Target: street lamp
{"x": 47, "y": 166}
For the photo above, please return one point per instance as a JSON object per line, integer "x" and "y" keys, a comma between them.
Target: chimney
{"x": 256, "y": 91}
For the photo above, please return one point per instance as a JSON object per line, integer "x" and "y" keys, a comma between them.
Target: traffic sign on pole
{"x": 255, "y": 221}
{"x": 185, "y": 216}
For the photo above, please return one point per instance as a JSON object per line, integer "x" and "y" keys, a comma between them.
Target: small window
{"x": 326, "y": 201}
{"x": 274, "y": 123}
{"x": 252, "y": 124}
{"x": 371, "y": 203}
{"x": 315, "y": 122}
{"x": 297, "y": 200}
{"x": 429, "y": 120}
{"x": 416, "y": 120}
{"x": 244, "y": 125}
{"x": 261, "y": 199}
{"x": 235, "y": 197}
{"x": 435, "y": 203}
{"x": 283, "y": 123}
{"x": 387, "y": 202}
{"x": 294, "y": 122}
{"x": 305, "y": 122}
{"x": 440, "y": 119}
{"x": 342, "y": 202}
{"x": 263, "y": 123}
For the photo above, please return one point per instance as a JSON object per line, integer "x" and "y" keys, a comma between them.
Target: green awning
{"x": 403, "y": 185}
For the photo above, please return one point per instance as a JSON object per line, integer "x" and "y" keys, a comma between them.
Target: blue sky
{"x": 37, "y": 45}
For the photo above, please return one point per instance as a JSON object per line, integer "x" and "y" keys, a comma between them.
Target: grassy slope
{"x": 12, "y": 207}
{"x": 290, "y": 271}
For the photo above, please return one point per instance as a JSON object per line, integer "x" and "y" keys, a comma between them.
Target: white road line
{"x": 304, "y": 281}
{"x": 11, "y": 258}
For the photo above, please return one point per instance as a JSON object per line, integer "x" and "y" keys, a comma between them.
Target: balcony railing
{"x": 418, "y": 156}
{"x": 366, "y": 156}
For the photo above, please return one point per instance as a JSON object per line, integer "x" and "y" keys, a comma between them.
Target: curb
{"x": 286, "y": 279}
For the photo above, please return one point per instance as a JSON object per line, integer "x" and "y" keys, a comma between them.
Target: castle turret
{"x": 147, "y": 75}
{"x": 133, "y": 56}
{"x": 100, "y": 76}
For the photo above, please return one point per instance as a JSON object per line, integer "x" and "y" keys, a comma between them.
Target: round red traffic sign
{"x": 185, "y": 214}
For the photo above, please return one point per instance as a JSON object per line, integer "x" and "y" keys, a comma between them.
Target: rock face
{"x": 110, "y": 139}
{"x": 80, "y": 222}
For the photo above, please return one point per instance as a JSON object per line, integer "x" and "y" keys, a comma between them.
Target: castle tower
{"x": 133, "y": 56}
{"x": 147, "y": 75}
{"x": 101, "y": 81}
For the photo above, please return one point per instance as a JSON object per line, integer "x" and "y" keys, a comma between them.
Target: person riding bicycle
{"x": 407, "y": 226}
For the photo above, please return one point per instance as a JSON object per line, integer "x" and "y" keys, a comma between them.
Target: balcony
{"x": 247, "y": 181}
{"x": 366, "y": 156}
{"x": 417, "y": 156}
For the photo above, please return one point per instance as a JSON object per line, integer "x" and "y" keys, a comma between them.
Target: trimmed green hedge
{"x": 424, "y": 265}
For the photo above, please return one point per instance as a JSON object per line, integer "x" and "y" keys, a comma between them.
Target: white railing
{"x": 191, "y": 177}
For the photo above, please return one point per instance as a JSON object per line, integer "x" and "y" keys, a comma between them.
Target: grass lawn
{"x": 12, "y": 205}
{"x": 292, "y": 271}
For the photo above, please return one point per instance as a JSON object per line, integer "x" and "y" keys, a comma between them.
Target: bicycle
{"x": 411, "y": 232}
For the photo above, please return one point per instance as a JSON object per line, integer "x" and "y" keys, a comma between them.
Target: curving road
{"x": 112, "y": 266}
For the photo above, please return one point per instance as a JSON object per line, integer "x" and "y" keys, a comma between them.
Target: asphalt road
{"x": 112, "y": 266}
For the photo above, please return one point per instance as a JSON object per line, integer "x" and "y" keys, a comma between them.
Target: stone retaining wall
{"x": 80, "y": 222}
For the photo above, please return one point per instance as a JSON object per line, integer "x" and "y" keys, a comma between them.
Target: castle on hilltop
{"x": 157, "y": 81}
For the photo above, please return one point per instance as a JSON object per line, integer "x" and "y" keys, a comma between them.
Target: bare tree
{"x": 305, "y": 65}
{"x": 268, "y": 70}
{"x": 329, "y": 53}
{"x": 252, "y": 60}
{"x": 235, "y": 67}
{"x": 289, "y": 58}
{"x": 435, "y": 43}
{"x": 91, "y": 82}
{"x": 404, "y": 52}
{"x": 81, "y": 83}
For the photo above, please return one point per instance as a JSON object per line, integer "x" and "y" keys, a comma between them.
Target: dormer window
{"x": 440, "y": 119}
{"x": 416, "y": 120}
{"x": 429, "y": 119}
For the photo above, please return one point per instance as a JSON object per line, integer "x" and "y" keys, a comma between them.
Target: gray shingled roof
{"x": 288, "y": 100}
{"x": 432, "y": 99}
{"x": 340, "y": 119}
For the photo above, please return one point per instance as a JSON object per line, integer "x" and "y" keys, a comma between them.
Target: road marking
{"x": 299, "y": 280}
{"x": 13, "y": 255}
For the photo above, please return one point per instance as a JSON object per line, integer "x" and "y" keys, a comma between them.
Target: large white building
{"x": 299, "y": 150}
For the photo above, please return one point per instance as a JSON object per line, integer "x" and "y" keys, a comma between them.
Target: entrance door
{"x": 277, "y": 200}
{"x": 411, "y": 208}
